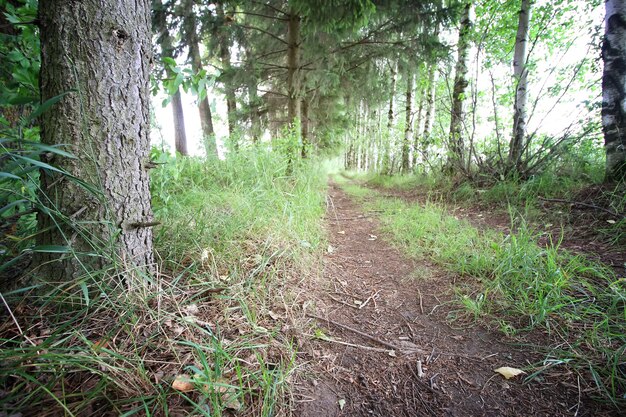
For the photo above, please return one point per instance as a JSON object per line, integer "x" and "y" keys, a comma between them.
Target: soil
{"x": 385, "y": 345}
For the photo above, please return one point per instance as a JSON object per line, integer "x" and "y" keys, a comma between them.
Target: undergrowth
{"x": 521, "y": 286}
{"x": 212, "y": 333}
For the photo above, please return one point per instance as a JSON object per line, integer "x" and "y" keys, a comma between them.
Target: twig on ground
{"x": 579, "y": 203}
{"x": 368, "y": 336}
{"x": 421, "y": 305}
{"x": 342, "y": 302}
{"x": 368, "y": 299}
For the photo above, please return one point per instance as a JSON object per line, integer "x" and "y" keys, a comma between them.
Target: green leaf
{"x": 51, "y": 249}
{"x": 9, "y": 175}
{"x": 46, "y": 105}
{"x": 40, "y": 164}
{"x": 11, "y": 205}
{"x": 83, "y": 287}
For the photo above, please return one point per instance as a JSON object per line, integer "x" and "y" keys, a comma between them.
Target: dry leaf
{"x": 342, "y": 232}
{"x": 610, "y": 221}
{"x": 330, "y": 249}
{"x": 392, "y": 353}
{"x": 182, "y": 383}
{"x": 508, "y": 372}
{"x": 342, "y": 404}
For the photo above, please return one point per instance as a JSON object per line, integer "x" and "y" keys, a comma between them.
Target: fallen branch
{"x": 368, "y": 336}
{"x": 578, "y": 203}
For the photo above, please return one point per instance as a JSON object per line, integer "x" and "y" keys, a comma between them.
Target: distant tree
{"x": 520, "y": 74}
{"x": 456, "y": 142}
{"x": 614, "y": 89}
{"x": 166, "y": 42}
{"x": 101, "y": 51}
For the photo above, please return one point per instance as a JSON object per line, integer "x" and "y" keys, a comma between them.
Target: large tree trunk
{"x": 204, "y": 109}
{"x": 406, "y": 143}
{"x": 520, "y": 73}
{"x": 457, "y": 146}
{"x": 102, "y": 50}
{"x": 293, "y": 68}
{"x": 614, "y": 89}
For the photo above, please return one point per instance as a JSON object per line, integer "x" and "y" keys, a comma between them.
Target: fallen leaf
{"x": 182, "y": 383}
{"x": 610, "y": 221}
{"x": 392, "y": 353}
{"x": 508, "y": 372}
{"x": 342, "y": 403}
{"x": 372, "y": 237}
{"x": 342, "y": 232}
{"x": 330, "y": 249}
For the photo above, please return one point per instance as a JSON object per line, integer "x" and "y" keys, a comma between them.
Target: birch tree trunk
{"x": 102, "y": 50}
{"x": 457, "y": 146}
{"x": 614, "y": 89}
{"x": 406, "y": 143}
{"x": 430, "y": 104}
{"x": 520, "y": 73}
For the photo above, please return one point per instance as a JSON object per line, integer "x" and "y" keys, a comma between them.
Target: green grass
{"x": 512, "y": 281}
{"x": 234, "y": 235}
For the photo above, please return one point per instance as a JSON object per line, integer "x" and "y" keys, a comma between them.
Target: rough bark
{"x": 456, "y": 142}
{"x": 204, "y": 109}
{"x": 102, "y": 50}
{"x": 406, "y": 143}
{"x": 293, "y": 68}
{"x": 520, "y": 74}
{"x": 614, "y": 89}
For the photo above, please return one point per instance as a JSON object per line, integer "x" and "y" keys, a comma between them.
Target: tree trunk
{"x": 614, "y": 89}
{"x": 102, "y": 50}
{"x": 224, "y": 51}
{"x": 204, "y": 109}
{"x": 167, "y": 51}
{"x": 293, "y": 68}
{"x": 417, "y": 128}
{"x": 180, "y": 136}
{"x": 430, "y": 104}
{"x": 304, "y": 126}
{"x": 386, "y": 168}
{"x": 457, "y": 146}
{"x": 520, "y": 73}
{"x": 406, "y": 143}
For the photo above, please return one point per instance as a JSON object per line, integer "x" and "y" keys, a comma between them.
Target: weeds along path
{"x": 383, "y": 346}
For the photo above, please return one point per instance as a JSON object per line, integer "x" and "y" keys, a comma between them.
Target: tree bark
{"x": 224, "y": 51}
{"x": 180, "y": 136}
{"x": 430, "y": 104}
{"x": 614, "y": 90}
{"x": 167, "y": 51}
{"x": 406, "y": 143}
{"x": 457, "y": 145}
{"x": 386, "y": 168}
{"x": 204, "y": 108}
{"x": 293, "y": 69}
{"x": 520, "y": 73}
{"x": 102, "y": 50}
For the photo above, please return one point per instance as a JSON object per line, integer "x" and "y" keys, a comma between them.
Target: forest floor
{"x": 385, "y": 345}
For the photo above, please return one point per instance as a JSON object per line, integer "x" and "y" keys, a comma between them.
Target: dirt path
{"x": 401, "y": 306}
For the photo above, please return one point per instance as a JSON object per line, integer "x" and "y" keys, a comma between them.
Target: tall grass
{"x": 234, "y": 233}
{"x": 520, "y": 286}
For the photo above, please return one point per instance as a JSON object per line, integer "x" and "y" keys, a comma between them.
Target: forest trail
{"x": 383, "y": 315}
